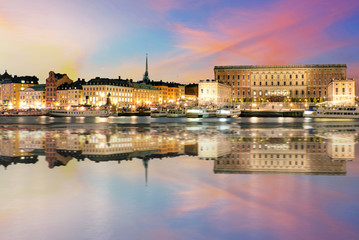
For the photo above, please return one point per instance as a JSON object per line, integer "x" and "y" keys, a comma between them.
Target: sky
{"x": 184, "y": 39}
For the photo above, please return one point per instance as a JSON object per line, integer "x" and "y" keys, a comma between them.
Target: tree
{"x": 285, "y": 99}
{"x": 320, "y": 99}
{"x": 315, "y": 99}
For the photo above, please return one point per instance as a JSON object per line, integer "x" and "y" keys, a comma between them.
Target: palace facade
{"x": 293, "y": 81}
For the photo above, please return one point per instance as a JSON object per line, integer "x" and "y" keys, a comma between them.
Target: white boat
{"x": 200, "y": 113}
{"x": 173, "y": 113}
{"x": 336, "y": 112}
{"x": 81, "y": 112}
{"x": 228, "y": 112}
{"x": 158, "y": 113}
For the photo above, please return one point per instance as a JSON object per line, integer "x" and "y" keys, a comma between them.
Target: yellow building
{"x": 33, "y": 97}
{"x": 162, "y": 95}
{"x": 71, "y": 94}
{"x": 11, "y": 87}
{"x": 341, "y": 91}
{"x": 144, "y": 94}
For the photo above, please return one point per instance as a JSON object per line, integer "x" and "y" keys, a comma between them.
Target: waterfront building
{"x": 33, "y": 97}
{"x": 97, "y": 90}
{"x": 10, "y": 88}
{"x": 341, "y": 91}
{"x": 274, "y": 82}
{"x": 52, "y": 83}
{"x": 71, "y": 94}
{"x": 144, "y": 94}
{"x": 213, "y": 92}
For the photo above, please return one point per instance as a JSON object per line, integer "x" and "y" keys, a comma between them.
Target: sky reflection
{"x": 196, "y": 186}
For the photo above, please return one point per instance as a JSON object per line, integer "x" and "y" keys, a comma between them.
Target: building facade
{"x": 96, "y": 92}
{"x": 292, "y": 81}
{"x": 213, "y": 92}
{"x": 144, "y": 94}
{"x": 342, "y": 91}
{"x": 33, "y": 97}
{"x": 10, "y": 88}
{"x": 71, "y": 94}
{"x": 52, "y": 83}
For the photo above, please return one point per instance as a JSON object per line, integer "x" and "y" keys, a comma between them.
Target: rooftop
{"x": 282, "y": 66}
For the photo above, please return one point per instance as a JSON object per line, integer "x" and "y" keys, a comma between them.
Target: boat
{"x": 200, "y": 113}
{"x": 22, "y": 113}
{"x": 228, "y": 112}
{"x": 335, "y": 112}
{"x": 158, "y": 113}
{"x": 79, "y": 112}
{"x": 174, "y": 113}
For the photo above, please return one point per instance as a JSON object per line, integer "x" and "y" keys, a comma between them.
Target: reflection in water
{"x": 199, "y": 186}
{"x": 313, "y": 149}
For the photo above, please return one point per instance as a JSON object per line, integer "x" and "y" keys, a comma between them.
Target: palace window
{"x": 302, "y": 75}
{"x": 341, "y": 76}
{"x": 296, "y": 76}
{"x": 290, "y": 76}
{"x": 296, "y": 83}
{"x": 228, "y": 77}
{"x": 296, "y": 92}
{"x": 302, "y": 83}
{"x": 266, "y": 83}
{"x": 330, "y": 76}
{"x": 272, "y": 77}
{"x": 320, "y": 82}
{"x": 290, "y": 83}
{"x": 232, "y": 77}
{"x": 278, "y": 83}
{"x": 238, "y": 77}
{"x": 284, "y": 83}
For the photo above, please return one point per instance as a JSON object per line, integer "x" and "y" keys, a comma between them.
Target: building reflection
{"x": 233, "y": 149}
{"x": 287, "y": 151}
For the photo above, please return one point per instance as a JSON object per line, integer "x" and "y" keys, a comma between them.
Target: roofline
{"x": 282, "y": 66}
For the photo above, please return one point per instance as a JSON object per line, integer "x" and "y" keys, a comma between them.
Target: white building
{"x": 213, "y": 92}
{"x": 33, "y": 97}
{"x": 342, "y": 91}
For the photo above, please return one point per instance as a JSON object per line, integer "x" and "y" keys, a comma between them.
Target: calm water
{"x": 115, "y": 179}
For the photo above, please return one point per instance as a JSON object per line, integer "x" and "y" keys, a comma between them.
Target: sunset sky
{"x": 184, "y": 39}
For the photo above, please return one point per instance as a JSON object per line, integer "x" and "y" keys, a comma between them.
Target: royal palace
{"x": 273, "y": 81}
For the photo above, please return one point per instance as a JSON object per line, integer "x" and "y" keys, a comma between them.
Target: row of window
{"x": 282, "y": 76}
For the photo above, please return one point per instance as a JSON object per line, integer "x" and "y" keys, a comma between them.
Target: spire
{"x": 145, "y": 76}
{"x": 145, "y": 164}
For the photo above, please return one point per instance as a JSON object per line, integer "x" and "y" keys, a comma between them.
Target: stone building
{"x": 341, "y": 91}
{"x": 213, "y": 92}
{"x": 270, "y": 81}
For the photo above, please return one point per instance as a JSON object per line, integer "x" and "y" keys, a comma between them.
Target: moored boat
{"x": 173, "y": 113}
{"x": 80, "y": 112}
{"x": 158, "y": 113}
{"x": 335, "y": 112}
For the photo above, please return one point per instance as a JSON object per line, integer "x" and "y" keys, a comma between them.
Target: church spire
{"x": 145, "y": 76}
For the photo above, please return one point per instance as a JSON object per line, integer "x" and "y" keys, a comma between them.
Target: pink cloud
{"x": 285, "y": 33}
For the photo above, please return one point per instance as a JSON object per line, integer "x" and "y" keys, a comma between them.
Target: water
{"x": 140, "y": 178}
